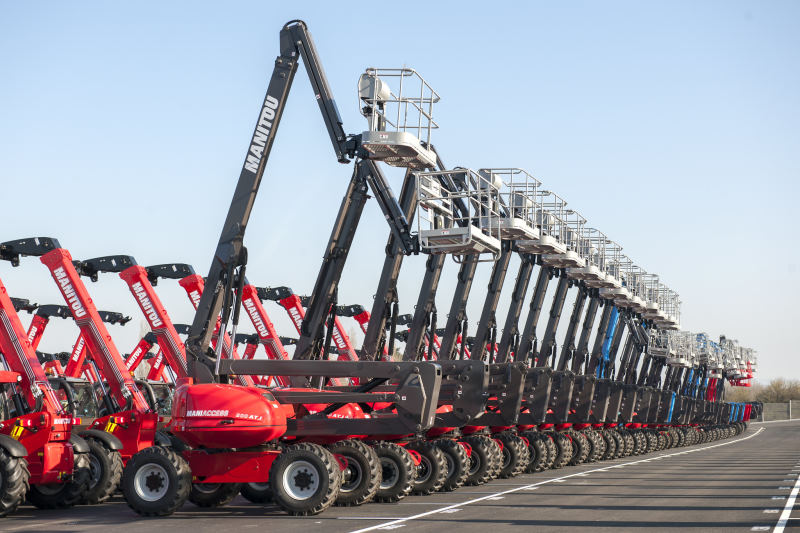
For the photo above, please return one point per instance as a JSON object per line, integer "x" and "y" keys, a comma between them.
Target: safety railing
{"x": 459, "y": 222}
{"x": 519, "y": 202}
{"x": 398, "y": 104}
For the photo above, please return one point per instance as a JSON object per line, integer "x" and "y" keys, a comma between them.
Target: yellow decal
{"x": 16, "y": 433}
{"x": 110, "y": 426}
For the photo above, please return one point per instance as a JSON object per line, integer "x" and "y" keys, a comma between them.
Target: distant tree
{"x": 779, "y": 390}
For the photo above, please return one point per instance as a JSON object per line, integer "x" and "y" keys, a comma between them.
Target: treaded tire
{"x": 457, "y": 460}
{"x": 256, "y": 492}
{"x": 14, "y": 485}
{"x": 105, "y": 472}
{"x": 611, "y": 444}
{"x": 563, "y": 450}
{"x": 480, "y": 465}
{"x": 537, "y": 450}
{"x": 580, "y": 448}
{"x": 397, "y": 472}
{"x": 432, "y": 471}
{"x": 639, "y": 443}
{"x": 515, "y": 455}
{"x": 213, "y": 494}
{"x": 300, "y": 467}
{"x": 597, "y": 445}
{"x": 282, "y": 479}
{"x": 156, "y": 481}
{"x": 627, "y": 439}
{"x": 620, "y": 441}
{"x": 549, "y": 439}
{"x": 362, "y": 477}
{"x": 63, "y": 495}
{"x": 652, "y": 441}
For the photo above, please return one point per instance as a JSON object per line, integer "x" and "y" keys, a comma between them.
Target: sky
{"x": 673, "y": 127}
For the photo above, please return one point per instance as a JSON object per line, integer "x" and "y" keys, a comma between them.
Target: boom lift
{"x": 244, "y": 423}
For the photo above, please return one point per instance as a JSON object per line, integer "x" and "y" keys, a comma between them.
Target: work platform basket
{"x": 570, "y": 235}
{"x": 398, "y": 104}
{"x": 458, "y": 213}
{"x": 519, "y": 202}
{"x": 592, "y": 249}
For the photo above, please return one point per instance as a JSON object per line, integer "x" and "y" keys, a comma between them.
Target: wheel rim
{"x": 424, "y": 470}
{"x": 351, "y": 476}
{"x": 151, "y": 482}
{"x": 96, "y": 470}
{"x": 301, "y": 480}
{"x": 390, "y": 473}
{"x": 474, "y": 463}
{"x": 206, "y": 488}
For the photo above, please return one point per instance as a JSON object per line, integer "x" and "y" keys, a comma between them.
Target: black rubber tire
{"x": 63, "y": 495}
{"x": 597, "y": 445}
{"x": 14, "y": 485}
{"x": 497, "y": 457}
{"x": 549, "y": 439}
{"x": 166, "y": 468}
{"x": 432, "y": 471}
{"x": 620, "y": 442}
{"x": 515, "y": 455}
{"x": 662, "y": 440}
{"x": 611, "y": 444}
{"x": 170, "y": 441}
{"x": 213, "y": 494}
{"x": 256, "y": 492}
{"x": 480, "y": 466}
{"x": 397, "y": 472}
{"x": 580, "y": 448}
{"x": 105, "y": 468}
{"x": 639, "y": 443}
{"x": 537, "y": 450}
{"x": 327, "y": 476}
{"x": 457, "y": 460}
{"x": 563, "y": 450}
{"x": 628, "y": 440}
{"x": 652, "y": 441}
{"x": 361, "y": 478}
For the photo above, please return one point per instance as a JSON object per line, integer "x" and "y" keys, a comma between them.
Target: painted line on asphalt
{"x": 787, "y": 510}
{"x": 394, "y": 523}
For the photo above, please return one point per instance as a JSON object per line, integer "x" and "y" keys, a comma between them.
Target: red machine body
{"x": 225, "y": 416}
{"x": 46, "y": 432}
{"x": 135, "y": 422}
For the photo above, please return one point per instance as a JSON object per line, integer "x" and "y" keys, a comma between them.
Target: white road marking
{"x": 787, "y": 510}
{"x": 772, "y": 511}
{"x": 528, "y": 487}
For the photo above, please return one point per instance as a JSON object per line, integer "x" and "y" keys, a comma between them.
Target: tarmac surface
{"x": 747, "y": 483}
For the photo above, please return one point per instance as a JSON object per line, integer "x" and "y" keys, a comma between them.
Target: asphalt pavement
{"x": 747, "y": 483}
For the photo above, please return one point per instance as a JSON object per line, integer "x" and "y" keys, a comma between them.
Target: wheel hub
{"x": 424, "y": 470}
{"x": 390, "y": 474}
{"x": 301, "y": 480}
{"x": 351, "y": 477}
{"x": 151, "y": 482}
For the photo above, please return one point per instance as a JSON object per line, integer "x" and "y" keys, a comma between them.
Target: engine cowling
{"x": 214, "y": 415}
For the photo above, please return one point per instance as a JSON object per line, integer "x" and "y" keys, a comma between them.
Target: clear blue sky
{"x": 672, "y": 127}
